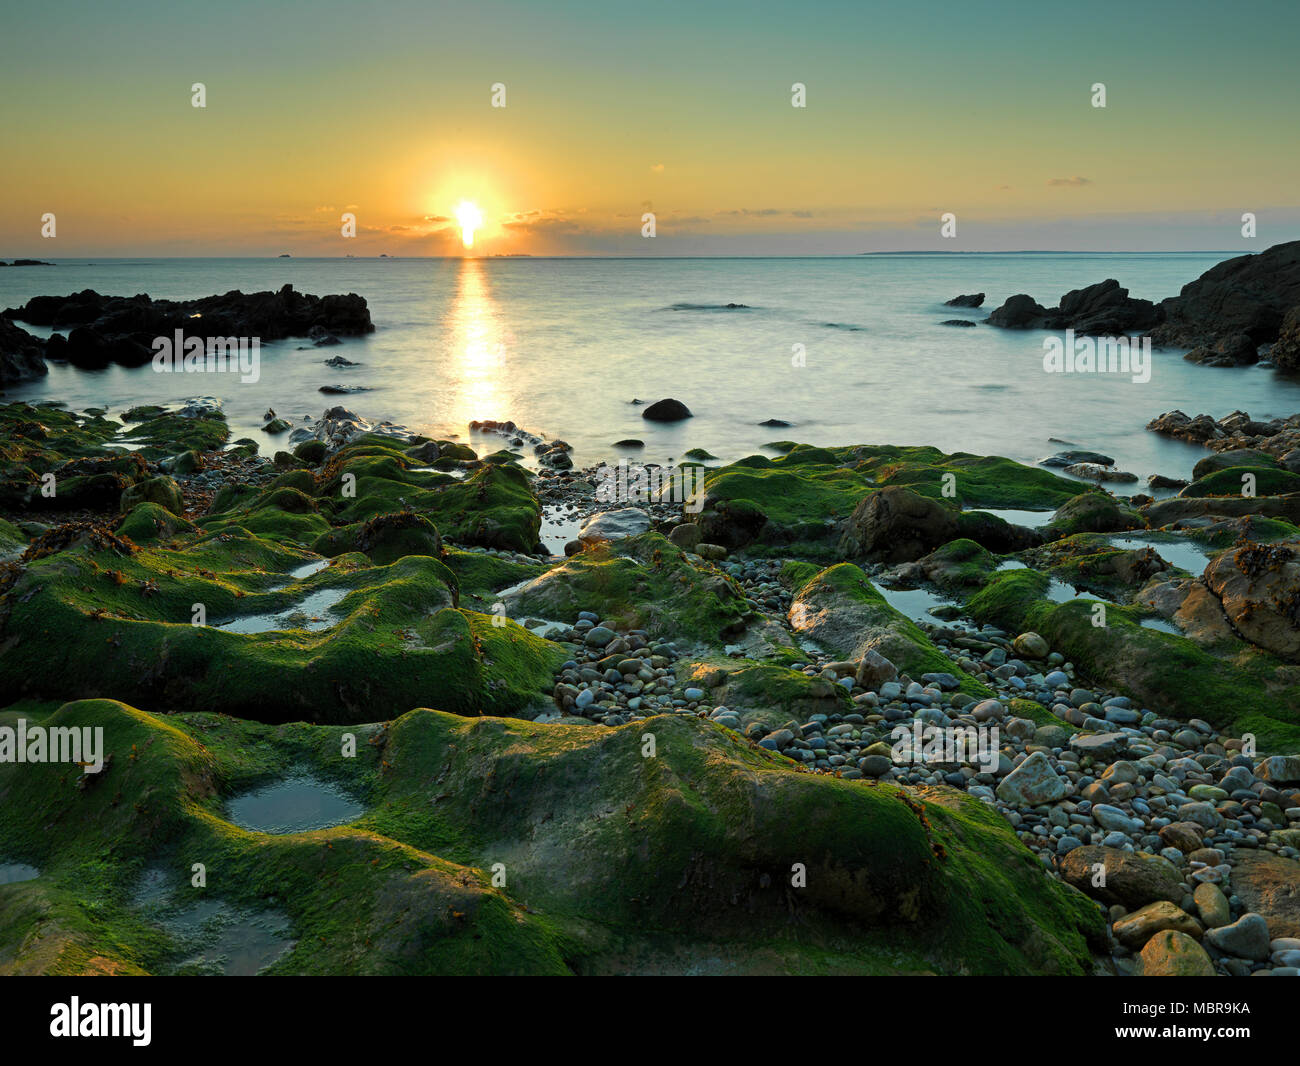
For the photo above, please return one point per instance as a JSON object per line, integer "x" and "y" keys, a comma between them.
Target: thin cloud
{"x": 1076, "y": 180}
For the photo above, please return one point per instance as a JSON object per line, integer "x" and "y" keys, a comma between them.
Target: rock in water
{"x": 972, "y": 300}
{"x": 668, "y": 410}
{"x": 1251, "y": 295}
{"x": 22, "y": 356}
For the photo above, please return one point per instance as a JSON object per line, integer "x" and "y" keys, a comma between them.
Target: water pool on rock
{"x": 296, "y": 804}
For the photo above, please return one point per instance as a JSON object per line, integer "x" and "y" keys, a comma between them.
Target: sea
{"x": 848, "y": 350}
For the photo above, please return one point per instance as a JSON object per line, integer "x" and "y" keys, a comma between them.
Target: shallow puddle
{"x": 307, "y": 569}
{"x": 914, "y": 603}
{"x": 296, "y": 804}
{"x": 1161, "y": 625}
{"x": 13, "y": 872}
{"x": 1029, "y": 519}
{"x": 560, "y": 524}
{"x": 216, "y": 936}
{"x": 312, "y": 614}
{"x": 1184, "y": 554}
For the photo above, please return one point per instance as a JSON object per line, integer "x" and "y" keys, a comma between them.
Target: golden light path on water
{"x": 479, "y": 349}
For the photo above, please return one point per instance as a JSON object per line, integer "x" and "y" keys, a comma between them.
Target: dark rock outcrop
{"x": 22, "y": 356}
{"x": 1250, "y": 294}
{"x": 121, "y": 329}
{"x": 1285, "y": 353}
{"x": 897, "y": 525}
{"x": 1101, "y": 309}
{"x": 971, "y": 300}
{"x": 1232, "y": 349}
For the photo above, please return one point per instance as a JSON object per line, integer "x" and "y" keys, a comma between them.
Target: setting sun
{"x": 470, "y": 218}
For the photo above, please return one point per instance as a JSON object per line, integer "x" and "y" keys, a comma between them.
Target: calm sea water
{"x": 562, "y": 347}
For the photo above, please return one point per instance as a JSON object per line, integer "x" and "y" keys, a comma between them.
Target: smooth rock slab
{"x": 1131, "y": 878}
{"x": 1033, "y": 782}
{"x": 613, "y": 525}
{"x": 1269, "y": 884}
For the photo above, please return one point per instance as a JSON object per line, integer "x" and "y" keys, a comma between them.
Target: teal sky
{"x": 681, "y": 109}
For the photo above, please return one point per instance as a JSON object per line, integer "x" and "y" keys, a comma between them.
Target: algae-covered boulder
{"x": 799, "y": 503}
{"x": 1234, "y": 685}
{"x": 492, "y": 507}
{"x": 1093, "y": 512}
{"x": 843, "y": 613}
{"x": 497, "y": 846}
{"x": 644, "y": 582}
{"x": 222, "y": 623}
{"x": 898, "y": 525}
{"x": 161, "y": 490}
{"x": 148, "y": 521}
{"x": 388, "y": 537}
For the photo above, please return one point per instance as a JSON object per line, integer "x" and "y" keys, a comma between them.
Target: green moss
{"x": 149, "y": 521}
{"x": 648, "y": 582}
{"x": 84, "y": 623}
{"x": 1245, "y": 691}
{"x": 1268, "y": 481}
{"x": 849, "y": 610}
{"x": 162, "y": 491}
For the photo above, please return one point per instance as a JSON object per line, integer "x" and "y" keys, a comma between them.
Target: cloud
{"x": 658, "y": 168}
{"x": 1076, "y": 180}
{"x": 537, "y": 221}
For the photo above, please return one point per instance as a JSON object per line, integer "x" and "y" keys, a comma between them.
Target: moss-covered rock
{"x": 611, "y": 860}
{"x": 162, "y": 491}
{"x": 798, "y": 503}
{"x": 842, "y": 612}
{"x": 1093, "y": 512}
{"x": 647, "y": 583}
{"x": 1238, "y": 688}
{"x": 220, "y": 623}
{"x": 148, "y": 521}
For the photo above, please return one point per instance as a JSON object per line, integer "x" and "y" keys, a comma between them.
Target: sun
{"x": 470, "y": 218}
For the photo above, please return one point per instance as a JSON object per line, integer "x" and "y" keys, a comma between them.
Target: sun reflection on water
{"x": 479, "y": 348}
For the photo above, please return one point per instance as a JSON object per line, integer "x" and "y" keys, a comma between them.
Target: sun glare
{"x": 470, "y": 218}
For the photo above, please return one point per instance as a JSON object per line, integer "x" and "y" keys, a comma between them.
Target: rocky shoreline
{"x": 873, "y": 708}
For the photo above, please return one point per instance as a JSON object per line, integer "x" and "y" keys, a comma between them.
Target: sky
{"x": 384, "y": 111}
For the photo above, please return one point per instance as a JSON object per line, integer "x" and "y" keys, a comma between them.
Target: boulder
{"x": 1173, "y": 954}
{"x": 1246, "y": 938}
{"x": 668, "y": 410}
{"x": 1132, "y": 878}
{"x": 1033, "y": 782}
{"x": 1232, "y": 349}
{"x": 22, "y": 356}
{"x": 970, "y": 300}
{"x": 613, "y": 525}
{"x": 1135, "y": 929}
{"x": 1259, "y": 587}
{"x": 1250, "y": 295}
